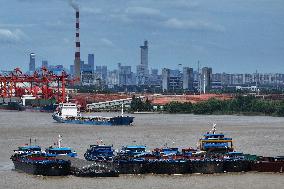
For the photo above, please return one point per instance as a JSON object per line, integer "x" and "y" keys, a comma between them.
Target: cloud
{"x": 184, "y": 4}
{"x": 143, "y": 11}
{"x": 11, "y": 36}
{"x": 91, "y": 10}
{"x": 107, "y": 42}
{"x": 175, "y": 23}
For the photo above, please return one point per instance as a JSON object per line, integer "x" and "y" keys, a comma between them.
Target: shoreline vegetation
{"x": 241, "y": 105}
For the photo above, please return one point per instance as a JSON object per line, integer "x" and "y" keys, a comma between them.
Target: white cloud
{"x": 66, "y": 40}
{"x": 185, "y": 4}
{"x": 175, "y": 23}
{"x": 107, "y": 42}
{"x": 121, "y": 17}
{"x": 11, "y": 36}
{"x": 143, "y": 11}
{"x": 91, "y": 10}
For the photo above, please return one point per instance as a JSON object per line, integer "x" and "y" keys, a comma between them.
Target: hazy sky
{"x": 228, "y": 35}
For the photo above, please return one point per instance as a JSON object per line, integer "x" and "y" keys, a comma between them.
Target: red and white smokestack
{"x": 77, "y": 61}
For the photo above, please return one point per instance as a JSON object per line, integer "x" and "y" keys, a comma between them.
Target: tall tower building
{"x": 144, "y": 55}
{"x": 142, "y": 69}
{"x": 206, "y": 79}
{"x": 91, "y": 62}
{"x": 187, "y": 78}
{"x": 165, "y": 78}
{"x": 32, "y": 62}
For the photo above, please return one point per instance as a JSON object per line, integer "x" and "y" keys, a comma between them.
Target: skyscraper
{"x": 187, "y": 78}
{"x": 165, "y": 78}
{"x": 101, "y": 72}
{"x": 32, "y": 62}
{"x": 142, "y": 68}
{"x": 171, "y": 80}
{"x": 91, "y": 62}
{"x": 125, "y": 75}
{"x": 44, "y": 64}
{"x": 206, "y": 79}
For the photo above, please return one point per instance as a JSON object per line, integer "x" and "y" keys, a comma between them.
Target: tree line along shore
{"x": 241, "y": 105}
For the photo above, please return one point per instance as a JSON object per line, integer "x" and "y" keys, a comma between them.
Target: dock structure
{"x": 84, "y": 168}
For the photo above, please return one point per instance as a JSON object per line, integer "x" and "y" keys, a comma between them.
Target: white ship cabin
{"x": 68, "y": 110}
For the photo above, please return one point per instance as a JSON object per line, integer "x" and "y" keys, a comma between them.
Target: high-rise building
{"x": 206, "y": 79}
{"x": 71, "y": 69}
{"x": 165, "y": 78}
{"x": 44, "y": 64}
{"x": 125, "y": 75}
{"x": 188, "y": 78}
{"x": 113, "y": 78}
{"x": 155, "y": 78}
{"x": 32, "y": 62}
{"x": 101, "y": 72}
{"x": 171, "y": 80}
{"x": 142, "y": 69}
{"x": 91, "y": 62}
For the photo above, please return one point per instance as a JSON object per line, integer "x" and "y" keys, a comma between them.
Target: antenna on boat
{"x": 59, "y": 141}
{"x": 213, "y": 128}
{"x": 122, "y": 110}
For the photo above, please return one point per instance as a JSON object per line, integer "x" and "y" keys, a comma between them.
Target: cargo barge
{"x": 31, "y": 160}
{"x": 70, "y": 113}
{"x": 215, "y": 155}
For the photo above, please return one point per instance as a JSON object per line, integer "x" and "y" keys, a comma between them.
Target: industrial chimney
{"x": 77, "y": 61}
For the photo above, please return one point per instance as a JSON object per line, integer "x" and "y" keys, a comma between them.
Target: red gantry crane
{"x": 42, "y": 85}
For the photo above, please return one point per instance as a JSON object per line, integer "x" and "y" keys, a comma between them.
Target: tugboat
{"x": 216, "y": 143}
{"x": 215, "y": 146}
{"x": 70, "y": 113}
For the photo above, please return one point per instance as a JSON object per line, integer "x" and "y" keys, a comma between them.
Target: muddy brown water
{"x": 251, "y": 134}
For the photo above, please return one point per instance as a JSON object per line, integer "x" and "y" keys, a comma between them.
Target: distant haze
{"x": 229, "y": 36}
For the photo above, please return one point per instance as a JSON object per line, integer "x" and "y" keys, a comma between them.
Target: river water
{"x": 251, "y": 134}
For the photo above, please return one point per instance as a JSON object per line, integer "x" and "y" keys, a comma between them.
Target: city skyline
{"x": 235, "y": 37}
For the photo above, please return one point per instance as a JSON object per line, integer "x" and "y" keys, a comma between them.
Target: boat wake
{"x": 6, "y": 166}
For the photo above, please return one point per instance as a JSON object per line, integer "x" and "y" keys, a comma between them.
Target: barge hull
{"x": 111, "y": 122}
{"x": 52, "y": 169}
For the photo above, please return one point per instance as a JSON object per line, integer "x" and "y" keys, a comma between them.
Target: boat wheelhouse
{"x": 55, "y": 151}
{"x": 24, "y": 150}
{"x": 51, "y": 151}
{"x": 99, "y": 153}
{"x": 133, "y": 151}
{"x": 213, "y": 142}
